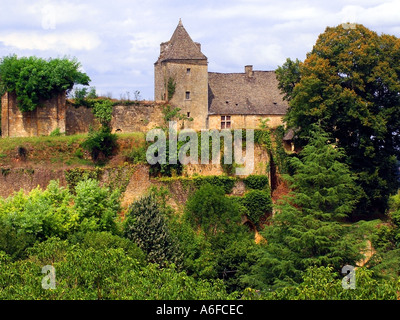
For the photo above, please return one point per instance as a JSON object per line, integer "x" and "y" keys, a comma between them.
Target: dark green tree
{"x": 146, "y": 225}
{"x": 350, "y": 83}
{"x": 305, "y": 231}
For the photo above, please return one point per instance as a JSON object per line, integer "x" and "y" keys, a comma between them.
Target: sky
{"x": 117, "y": 42}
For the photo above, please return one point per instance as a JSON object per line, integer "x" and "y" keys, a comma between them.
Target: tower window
{"x": 225, "y": 122}
{"x": 188, "y": 71}
{"x": 187, "y": 95}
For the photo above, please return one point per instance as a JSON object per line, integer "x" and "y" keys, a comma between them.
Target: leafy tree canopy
{"x": 33, "y": 78}
{"x": 350, "y": 83}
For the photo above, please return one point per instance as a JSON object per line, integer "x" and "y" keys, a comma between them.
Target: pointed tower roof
{"x": 181, "y": 46}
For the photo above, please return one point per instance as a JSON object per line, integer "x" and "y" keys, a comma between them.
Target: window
{"x": 188, "y": 71}
{"x": 187, "y": 95}
{"x": 188, "y": 114}
{"x": 225, "y": 122}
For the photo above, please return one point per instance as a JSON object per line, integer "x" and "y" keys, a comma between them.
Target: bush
{"x": 101, "y": 240}
{"x": 55, "y": 133}
{"x": 137, "y": 155}
{"x": 15, "y": 242}
{"x": 100, "y": 144}
{"x": 258, "y": 203}
{"x": 226, "y": 183}
{"x": 97, "y": 207}
{"x": 42, "y": 214}
{"x": 211, "y": 210}
{"x": 257, "y": 182}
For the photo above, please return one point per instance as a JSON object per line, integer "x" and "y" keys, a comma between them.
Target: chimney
{"x": 249, "y": 70}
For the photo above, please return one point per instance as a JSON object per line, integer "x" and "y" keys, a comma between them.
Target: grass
{"x": 59, "y": 150}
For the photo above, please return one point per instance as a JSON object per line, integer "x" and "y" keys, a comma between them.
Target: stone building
{"x": 215, "y": 100}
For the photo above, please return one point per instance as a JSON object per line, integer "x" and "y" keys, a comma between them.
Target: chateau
{"x": 181, "y": 78}
{"x": 215, "y": 100}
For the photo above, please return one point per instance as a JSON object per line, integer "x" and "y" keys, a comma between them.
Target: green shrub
{"x": 211, "y": 210}
{"x": 226, "y": 183}
{"x": 79, "y": 153}
{"x": 257, "y": 182}
{"x": 137, "y": 155}
{"x": 100, "y": 240}
{"x": 55, "y": 133}
{"x": 14, "y": 242}
{"x": 41, "y": 213}
{"x": 100, "y": 144}
{"x": 258, "y": 203}
{"x": 96, "y": 206}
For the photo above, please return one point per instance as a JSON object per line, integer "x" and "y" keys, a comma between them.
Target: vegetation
{"x": 146, "y": 226}
{"x": 306, "y": 230}
{"x": 344, "y": 109}
{"x": 171, "y": 86}
{"x": 349, "y": 83}
{"x": 33, "y": 79}
{"x": 101, "y": 143}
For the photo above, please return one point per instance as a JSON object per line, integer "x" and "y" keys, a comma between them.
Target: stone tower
{"x": 182, "y": 62}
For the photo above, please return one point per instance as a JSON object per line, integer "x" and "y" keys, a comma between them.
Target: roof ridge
{"x": 181, "y": 46}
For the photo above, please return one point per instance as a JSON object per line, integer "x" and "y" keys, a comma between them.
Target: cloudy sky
{"x": 118, "y": 41}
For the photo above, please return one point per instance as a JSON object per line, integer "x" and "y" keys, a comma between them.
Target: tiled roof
{"x": 254, "y": 92}
{"x": 181, "y": 47}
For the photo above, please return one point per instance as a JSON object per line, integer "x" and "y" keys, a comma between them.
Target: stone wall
{"x": 78, "y": 119}
{"x": 139, "y": 117}
{"x": 47, "y": 117}
{"x": 15, "y": 179}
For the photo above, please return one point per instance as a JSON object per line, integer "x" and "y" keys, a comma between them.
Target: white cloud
{"x": 118, "y": 41}
{"x": 55, "y": 41}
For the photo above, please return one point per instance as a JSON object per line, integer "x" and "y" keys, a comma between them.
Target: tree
{"x": 305, "y": 231}
{"x": 350, "y": 83}
{"x": 101, "y": 143}
{"x": 323, "y": 283}
{"x": 87, "y": 272}
{"x": 33, "y": 79}
{"x": 211, "y": 210}
{"x": 288, "y": 76}
{"x": 96, "y": 206}
{"x": 323, "y": 185}
{"x": 146, "y": 226}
